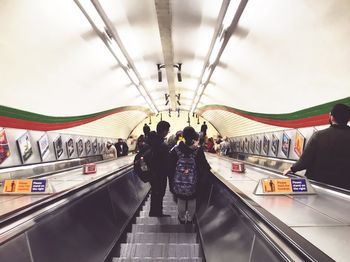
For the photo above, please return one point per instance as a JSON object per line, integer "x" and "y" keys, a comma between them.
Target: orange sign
{"x": 24, "y": 186}
{"x": 277, "y": 186}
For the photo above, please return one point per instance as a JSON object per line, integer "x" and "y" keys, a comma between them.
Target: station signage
{"x": 25, "y": 186}
{"x": 280, "y": 186}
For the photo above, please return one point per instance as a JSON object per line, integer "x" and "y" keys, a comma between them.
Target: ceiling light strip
{"x": 98, "y": 19}
{"x": 233, "y": 12}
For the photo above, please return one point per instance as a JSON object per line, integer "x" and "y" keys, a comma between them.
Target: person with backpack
{"x": 159, "y": 167}
{"x": 187, "y": 163}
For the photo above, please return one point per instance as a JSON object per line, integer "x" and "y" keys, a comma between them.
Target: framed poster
{"x": 24, "y": 147}
{"x": 246, "y": 145}
{"x": 274, "y": 145}
{"x": 43, "y": 144}
{"x": 285, "y": 144}
{"x": 102, "y": 147}
{"x": 80, "y": 147}
{"x": 58, "y": 146}
{"x": 266, "y": 143}
{"x": 299, "y": 144}
{"x": 241, "y": 145}
{"x": 4, "y": 146}
{"x": 70, "y": 147}
{"x": 252, "y": 144}
{"x": 94, "y": 147}
{"x": 258, "y": 145}
{"x": 87, "y": 147}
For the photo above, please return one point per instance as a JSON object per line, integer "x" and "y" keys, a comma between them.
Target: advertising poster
{"x": 102, "y": 147}
{"x": 43, "y": 145}
{"x": 24, "y": 147}
{"x": 266, "y": 144}
{"x": 70, "y": 147}
{"x": 241, "y": 145}
{"x": 87, "y": 147}
{"x": 246, "y": 145}
{"x": 4, "y": 147}
{"x": 299, "y": 144}
{"x": 274, "y": 145}
{"x": 285, "y": 144}
{"x": 94, "y": 147}
{"x": 252, "y": 144}
{"x": 258, "y": 145}
{"x": 80, "y": 147}
{"x": 58, "y": 146}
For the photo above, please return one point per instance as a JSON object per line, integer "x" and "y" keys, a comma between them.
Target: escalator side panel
{"x": 226, "y": 233}
{"x": 82, "y": 231}
{"x": 15, "y": 250}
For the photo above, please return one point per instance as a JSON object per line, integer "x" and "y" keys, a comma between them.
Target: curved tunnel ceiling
{"x": 283, "y": 56}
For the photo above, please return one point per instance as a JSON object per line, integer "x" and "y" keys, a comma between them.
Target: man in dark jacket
{"x": 159, "y": 167}
{"x": 327, "y": 155}
{"x": 187, "y": 203}
{"x": 146, "y": 129}
{"x": 122, "y": 148}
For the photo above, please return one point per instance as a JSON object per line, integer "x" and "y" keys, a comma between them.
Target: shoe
{"x": 181, "y": 221}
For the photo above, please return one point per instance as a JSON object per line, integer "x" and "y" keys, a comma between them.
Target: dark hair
{"x": 341, "y": 113}
{"x": 189, "y": 134}
{"x": 163, "y": 126}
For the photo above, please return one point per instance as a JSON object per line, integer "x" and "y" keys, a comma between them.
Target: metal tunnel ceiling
{"x": 277, "y": 56}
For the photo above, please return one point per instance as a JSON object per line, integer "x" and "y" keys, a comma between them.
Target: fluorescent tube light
{"x": 118, "y": 53}
{"x": 206, "y": 75}
{"x": 133, "y": 76}
{"x": 216, "y": 49}
{"x": 230, "y": 13}
{"x": 94, "y": 16}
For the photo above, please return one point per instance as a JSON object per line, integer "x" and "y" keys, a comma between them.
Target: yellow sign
{"x": 277, "y": 185}
{"x": 24, "y": 186}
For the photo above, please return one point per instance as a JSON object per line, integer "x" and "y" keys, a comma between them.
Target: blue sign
{"x": 299, "y": 185}
{"x": 38, "y": 186}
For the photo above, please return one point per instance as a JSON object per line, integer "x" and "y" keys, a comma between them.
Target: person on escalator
{"x": 159, "y": 166}
{"x": 327, "y": 155}
{"x": 187, "y": 164}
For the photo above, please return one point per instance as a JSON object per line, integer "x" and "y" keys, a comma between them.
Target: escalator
{"x": 86, "y": 224}
{"x": 160, "y": 238}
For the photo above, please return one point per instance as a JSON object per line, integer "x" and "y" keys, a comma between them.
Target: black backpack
{"x": 142, "y": 162}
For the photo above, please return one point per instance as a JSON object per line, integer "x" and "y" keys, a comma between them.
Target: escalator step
{"x": 165, "y": 208}
{"x": 159, "y": 259}
{"x": 159, "y": 250}
{"x": 157, "y": 220}
{"x": 162, "y": 238}
{"x": 172, "y": 213}
{"x": 190, "y": 228}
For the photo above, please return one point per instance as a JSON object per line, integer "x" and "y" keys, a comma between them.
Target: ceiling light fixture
{"x": 100, "y": 22}
{"x": 179, "y": 76}
{"x": 233, "y": 10}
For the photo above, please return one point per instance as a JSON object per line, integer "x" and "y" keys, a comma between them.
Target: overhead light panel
{"x": 118, "y": 53}
{"x": 133, "y": 76}
{"x": 92, "y": 13}
{"x": 230, "y": 13}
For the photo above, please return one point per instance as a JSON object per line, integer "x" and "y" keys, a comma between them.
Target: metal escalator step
{"x": 164, "y": 238}
{"x": 172, "y": 213}
{"x": 190, "y": 228}
{"x": 159, "y": 250}
{"x": 165, "y": 208}
{"x": 158, "y": 259}
{"x": 157, "y": 220}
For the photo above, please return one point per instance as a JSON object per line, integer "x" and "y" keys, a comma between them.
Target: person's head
{"x": 340, "y": 114}
{"x": 204, "y": 123}
{"x": 190, "y": 135}
{"x": 109, "y": 144}
{"x": 163, "y": 128}
{"x": 120, "y": 140}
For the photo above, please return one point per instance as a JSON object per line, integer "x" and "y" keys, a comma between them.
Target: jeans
{"x": 186, "y": 213}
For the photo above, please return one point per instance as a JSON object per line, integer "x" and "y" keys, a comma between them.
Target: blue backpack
{"x": 185, "y": 178}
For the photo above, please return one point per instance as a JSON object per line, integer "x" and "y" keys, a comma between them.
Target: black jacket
{"x": 327, "y": 157}
{"x": 201, "y": 163}
{"x": 122, "y": 149}
{"x": 160, "y": 160}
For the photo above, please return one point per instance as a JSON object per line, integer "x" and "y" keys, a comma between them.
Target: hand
{"x": 285, "y": 172}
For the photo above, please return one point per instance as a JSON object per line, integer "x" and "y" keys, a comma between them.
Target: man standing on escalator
{"x": 159, "y": 166}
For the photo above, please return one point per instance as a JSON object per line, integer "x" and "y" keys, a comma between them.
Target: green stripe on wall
{"x": 308, "y": 112}
{"x": 30, "y": 116}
